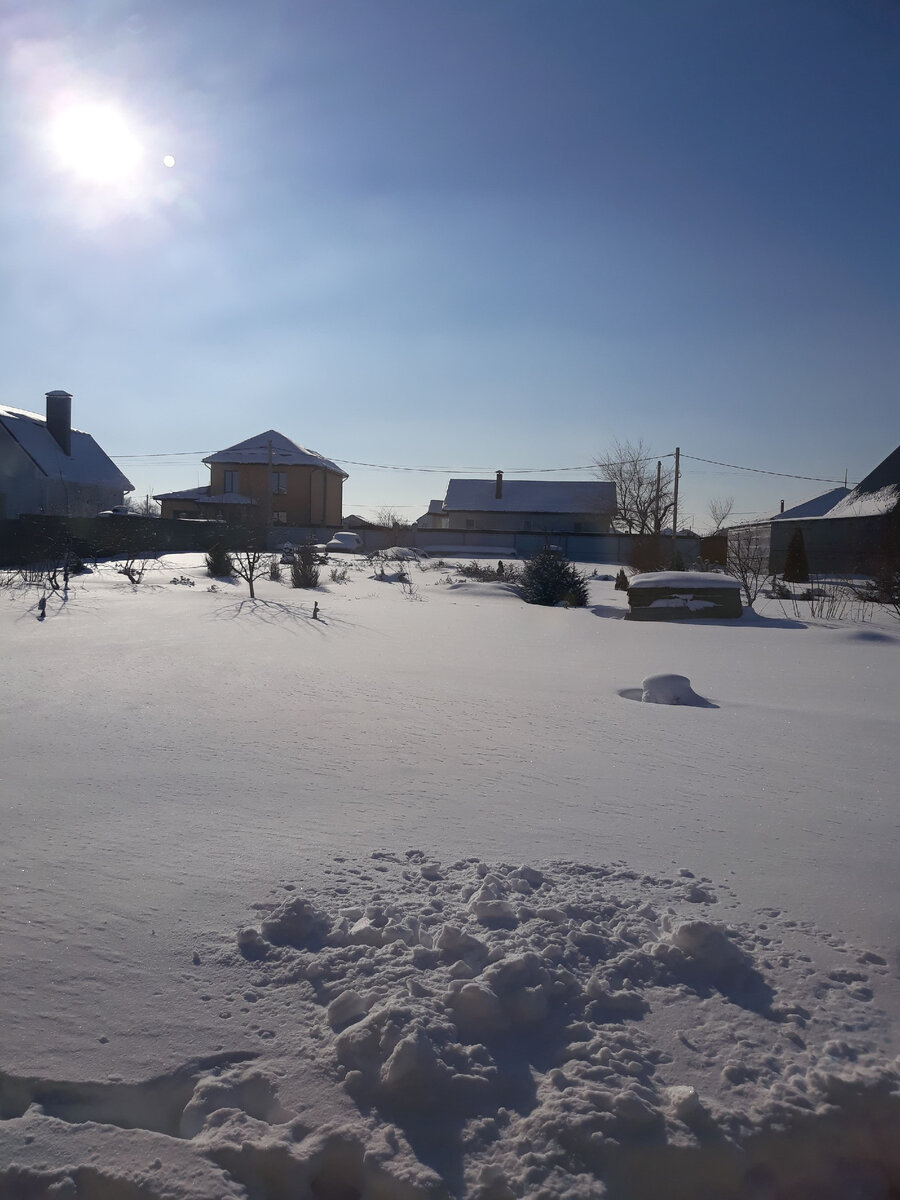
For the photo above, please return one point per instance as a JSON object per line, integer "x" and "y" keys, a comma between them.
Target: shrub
{"x": 304, "y": 568}
{"x": 219, "y": 562}
{"x": 621, "y": 581}
{"x": 275, "y": 572}
{"x": 339, "y": 574}
{"x": 548, "y": 578}
{"x": 503, "y": 572}
{"x": 796, "y": 567}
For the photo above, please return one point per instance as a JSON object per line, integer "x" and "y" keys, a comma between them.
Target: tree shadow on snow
{"x": 271, "y": 612}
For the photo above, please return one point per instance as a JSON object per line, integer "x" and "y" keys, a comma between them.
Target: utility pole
{"x": 657, "y": 521}
{"x": 675, "y": 505}
{"x": 269, "y": 488}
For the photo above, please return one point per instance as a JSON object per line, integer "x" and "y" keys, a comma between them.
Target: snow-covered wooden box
{"x": 674, "y": 595}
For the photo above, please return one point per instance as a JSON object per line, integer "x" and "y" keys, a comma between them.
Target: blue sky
{"x": 464, "y": 235}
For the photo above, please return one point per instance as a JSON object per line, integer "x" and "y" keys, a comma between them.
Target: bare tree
{"x": 142, "y": 507}
{"x": 250, "y": 564}
{"x": 719, "y": 511}
{"x": 747, "y": 560}
{"x": 390, "y": 519}
{"x": 642, "y": 507}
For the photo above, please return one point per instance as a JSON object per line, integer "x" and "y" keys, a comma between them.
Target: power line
{"x": 760, "y": 470}
{"x": 175, "y": 454}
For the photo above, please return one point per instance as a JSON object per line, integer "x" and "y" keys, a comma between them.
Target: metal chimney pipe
{"x": 59, "y": 419}
{"x": 498, "y": 492}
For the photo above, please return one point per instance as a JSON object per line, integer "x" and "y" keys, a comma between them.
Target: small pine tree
{"x": 796, "y": 567}
{"x": 219, "y": 562}
{"x": 621, "y": 581}
{"x": 548, "y": 578}
{"x": 304, "y": 569}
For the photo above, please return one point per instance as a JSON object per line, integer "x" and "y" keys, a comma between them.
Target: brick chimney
{"x": 498, "y": 491}
{"x": 59, "y": 419}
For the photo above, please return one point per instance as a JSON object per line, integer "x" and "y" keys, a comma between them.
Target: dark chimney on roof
{"x": 59, "y": 419}
{"x": 498, "y": 491}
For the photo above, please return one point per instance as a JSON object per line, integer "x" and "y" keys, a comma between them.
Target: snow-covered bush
{"x": 549, "y": 578}
{"x": 275, "y": 572}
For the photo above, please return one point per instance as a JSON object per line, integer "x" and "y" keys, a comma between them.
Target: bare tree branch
{"x": 719, "y": 511}
{"x": 632, "y": 469}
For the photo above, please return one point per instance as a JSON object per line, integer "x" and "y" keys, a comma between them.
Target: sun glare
{"x": 96, "y": 143}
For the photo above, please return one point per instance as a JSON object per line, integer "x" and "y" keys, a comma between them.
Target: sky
{"x": 461, "y": 235}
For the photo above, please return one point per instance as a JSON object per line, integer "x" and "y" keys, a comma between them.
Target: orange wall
{"x": 313, "y": 496}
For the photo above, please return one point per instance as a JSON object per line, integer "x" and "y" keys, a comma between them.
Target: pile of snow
{"x": 404, "y": 554}
{"x": 668, "y": 689}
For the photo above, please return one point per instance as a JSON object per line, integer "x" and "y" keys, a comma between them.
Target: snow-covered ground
{"x": 418, "y": 900}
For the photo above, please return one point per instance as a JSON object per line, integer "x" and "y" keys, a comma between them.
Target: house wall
{"x": 313, "y": 495}
{"x": 24, "y": 488}
{"x": 840, "y": 545}
{"x": 516, "y": 522}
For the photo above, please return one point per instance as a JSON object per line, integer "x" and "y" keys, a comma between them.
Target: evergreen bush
{"x": 304, "y": 568}
{"x": 621, "y": 581}
{"x": 796, "y": 567}
{"x": 219, "y": 562}
{"x": 549, "y": 578}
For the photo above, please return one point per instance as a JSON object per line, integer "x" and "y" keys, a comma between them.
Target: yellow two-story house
{"x": 269, "y": 481}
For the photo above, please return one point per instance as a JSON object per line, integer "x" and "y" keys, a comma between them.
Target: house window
{"x": 279, "y": 518}
{"x": 279, "y": 483}
{"x": 470, "y": 522}
{"x": 230, "y": 481}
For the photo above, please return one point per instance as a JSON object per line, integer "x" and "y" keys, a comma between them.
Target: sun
{"x": 96, "y": 143}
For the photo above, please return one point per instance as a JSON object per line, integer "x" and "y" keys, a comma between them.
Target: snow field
{"x": 390, "y": 1023}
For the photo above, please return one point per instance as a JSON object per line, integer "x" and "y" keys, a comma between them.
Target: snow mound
{"x": 668, "y": 689}
{"x": 507, "y": 1031}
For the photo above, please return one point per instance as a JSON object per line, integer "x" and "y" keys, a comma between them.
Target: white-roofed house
{"x": 844, "y": 532}
{"x": 530, "y": 505}
{"x": 435, "y": 518}
{"x": 47, "y": 467}
{"x": 267, "y": 480}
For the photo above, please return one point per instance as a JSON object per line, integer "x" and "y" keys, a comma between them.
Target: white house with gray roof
{"x": 529, "y": 505}
{"x": 47, "y": 467}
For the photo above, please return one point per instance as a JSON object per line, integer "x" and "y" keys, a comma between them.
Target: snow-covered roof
{"x": 201, "y": 495}
{"x": 687, "y": 580}
{"x": 530, "y": 495}
{"x": 819, "y": 506}
{"x": 284, "y": 453}
{"x": 87, "y": 463}
{"x": 875, "y": 495}
{"x": 868, "y": 504}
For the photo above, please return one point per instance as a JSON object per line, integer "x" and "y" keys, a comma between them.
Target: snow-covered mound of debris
{"x": 496, "y": 1031}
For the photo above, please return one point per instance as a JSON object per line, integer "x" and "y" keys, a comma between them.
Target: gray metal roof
{"x": 87, "y": 464}
{"x": 531, "y": 495}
